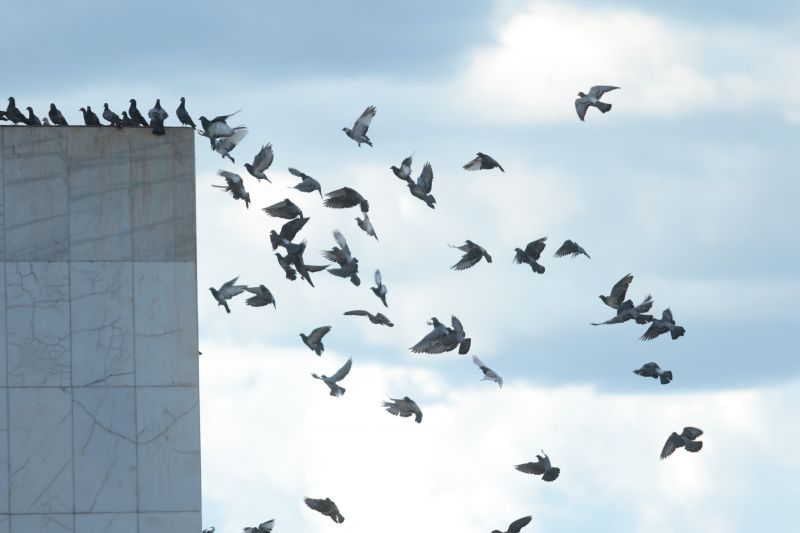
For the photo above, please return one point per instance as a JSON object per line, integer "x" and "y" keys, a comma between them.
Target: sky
{"x": 689, "y": 183}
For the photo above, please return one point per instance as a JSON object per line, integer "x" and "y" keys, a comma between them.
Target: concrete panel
{"x": 169, "y": 522}
{"x": 2, "y": 203}
{"x": 41, "y": 523}
{"x": 3, "y": 312}
{"x": 107, "y": 523}
{"x": 4, "y": 472}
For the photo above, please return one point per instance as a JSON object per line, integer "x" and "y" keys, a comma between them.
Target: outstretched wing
{"x": 620, "y": 288}
{"x": 342, "y": 198}
{"x": 425, "y": 179}
{"x": 299, "y": 174}
{"x": 457, "y": 326}
{"x": 362, "y": 124}
{"x": 652, "y": 332}
{"x": 429, "y": 343}
{"x": 317, "y": 334}
{"x": 568, "y": 248}
{"x": 535, "y": 248}
{"x": 475, "y": 164}
{"x": 291, "y": 228}
{"x": 580, "y": 107}
{"x": 232, "y": 179}
{"x": 266, "y": 527}
{"x": 599, "y": 90}
{"x": 378, "y": 278}
{"x": 666, "y": 316}
{"x": 321, "y": 506}
{"x": 673, "y": 442}
{"x": 356, "y": 312}
{"x": 264, "y": 158}
{"x": 342, "y": 372}
{"x": 342, "y": 242}
{"x": 517, "y": 525}
{"x": 691, "y": 433}
{"x": 469, "y": 259}
{"x": 531, "y": 468}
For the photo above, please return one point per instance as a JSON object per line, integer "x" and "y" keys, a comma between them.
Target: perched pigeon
{"x": 488, "y": 373}
{"x": 326, "y": 507}
{"x": 33, "y": 120}
{"x": 264, "y": 527}
{"x": 422, "y": 187}
{"x": 286, "y": 265}
{"x": 127, "y": 121}
{"x": 216, "y": 128}
{"x": 685, "y": 440}
{"x": 3, "y": 116}
{"x": 570, "y": 248}
{"x": 226, "y": 292}
{"x": 344, "y": 198}
{"x": 657, "y": 327}
{"x": 183, "y": 115}
{"x": 366, "y": 225}
{"x": 380, "y": 289}
{"x": 359, "y": 131}
{"x": 287, "y": 233}
{"x": 308, "y": 184}
{"x": 443, "y": 339}
{"x": 593, "y": 99}
{"x": 379, "y": 318}
{"x": 618, "y": 291}
{"x": 531, "y": 254}
{"x": 541, "y": 467}
{"x": 89, "y": 118}
{"x": 341, "y": 255}
{"x": 45, "y": 121}
{"x": 235, "y": 187}
{"x": 652, "y": 370}
{"x": 404, "y": 170}
{"x": 284, "y": 209}
{"x": 314, "y": 339}
{"x": 404, "y": 407}
{"x": 56, "y": 117}
{"x": 157, "y": 116}
{"x": 13, "y": 114}
{"x": 517, "y": 525}
{"x": 483, "y": 162}
{"x": 135, "y": 115}
{"x": 111, "y": 117}
{"x": 262, "y": 297}
{"x": 472, "y": 254}
{"x": 627, "y": 311}
{"x": 261, "y": 162}
{"x": 332, "y": 381}
{"x": 225, "y": 145}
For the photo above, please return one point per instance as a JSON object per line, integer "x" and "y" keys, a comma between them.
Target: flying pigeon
{"x": 13, "y": 114}
{"x": 111, "y": 117}
{"x": 286, "y": 265}
{"x": 359, "y": 131}
{"x": 657, "y": 327}
{"x": 422, "y": 187}
{"x": 652, "y": 370}
{"x": 262, "y": 297}
{"x": 627, "y": 311}
{"x": 326, "y": 507}
{"x": 483, "y": 162}
{"x": 216, "y": 128}
{"x": 403, "y": 172}
{"x": 89, "y": 118}
{"x": 472, "y": 254}
{"x": 306, "y": 270}
{"x": 56, "y": 117}
{"x": 33, "y": 120}
{"x": 404, "y": 407}
{"x": 308, "y": 184}
{"x": 126, "y": 120}
{"x": 264, "y": 527}
{"x": 380, "y": 289}
{"x": 570, "y": 248}
{"x": 157, "y": 116}
{"x": 517, "y": 525}
{"x": 488, "y": 373}
{"x": 685, "y": 440}
{"x": 332, "y": 381}
{"x": 287, "y": 233}
{"x": 531, "y": 254}
{"x": 443, "y": 339}
{"x": 183, "y": 115}
{"x": 261, "y": 162}
{"x": 593, "y": 99}
{"x": 618, "y": 291}
{"x": 344, "y": 198}
{"x": 314, "y": 339}
{"x": 366, "y": 225}
{"x": 341, "y": 255}
{"x": 226, "y": 292}
{"x": 541, "y": 467}
{"x": 235, "y": 186}
{"x": 378, "y": 318}
{"x": 135, "y": 115}
{"x": 284, "y": 209}
{"x": 225, "y": 145}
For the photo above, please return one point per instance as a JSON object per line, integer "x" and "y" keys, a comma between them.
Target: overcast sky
{"x": 690, "y": 183}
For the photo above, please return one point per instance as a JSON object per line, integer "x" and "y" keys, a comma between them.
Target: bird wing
{"x": 429, "y": 343}
{"x": 478, "y": 362}
{"x": 357, "y": 312}
{"x": 645, "y": 306}
{"x": 343, "y": 243}
{"x": 405, "y": 166}
{"x": 517, "y": 525}
{"x": 231, "y": 291}
{"x": 342, "y": 198}
{"x": 469, "y": 259}
{"x": 342, "y": 372}
{"x": 456, "y": 323}
{"x": 398, "y": 408}
{"x": 535, "y": 248}
{"x": 475, "y": 164}
{"x": 666, "y": 316}
{"x": 581, "y": 106}
{"x": 567, "y": 248}
{"x": 362, "y": 124}
{"x": 231, "y": 178}
{"x": 378, "y": 278}
{"x": 531, "y": 468}
{"x": 226, "y": 144}
{"x": 283, "y": 208}
{"x": 599, "y": 90}
{"x": 299, "y": 174}
{"x": 691, "y": 433}
{"x": 291, "y": 228}
{"x": 321, "y": 506}
{"x": 652, "y": 332}
{"x": 264, "y": 158}
{"x": 425, "y": 179}
{"x": 669, "y": 447}
{"x": 316, "y": 335}
{"x": 620, "y": 288}
{"x": 266, "y": 527}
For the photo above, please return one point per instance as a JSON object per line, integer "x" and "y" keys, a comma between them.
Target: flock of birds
{"x": 342, "y": 263}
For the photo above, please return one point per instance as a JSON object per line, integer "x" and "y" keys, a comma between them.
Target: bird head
{"x": 132, "y": 101}
{"x": 183, "y": 100}
{"x": 53, "y": 106}
{"x": 158, "y": 102}
{"x": 469, "y": 242}
{"x": 518, "y": 250}
{"x": 82, "y": 110}
{"x": 11, "y": 100}
{"x": 29, "y": 108}
{"x": 347, "y": 130}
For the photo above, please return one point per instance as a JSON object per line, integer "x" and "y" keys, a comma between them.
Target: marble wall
{"x": 99, "y": 418}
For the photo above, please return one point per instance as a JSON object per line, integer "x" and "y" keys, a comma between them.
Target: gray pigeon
{"x": 378, "y": 318}
{"x": 541, "y": 467}
{"x": 314, "y": 339}
{"x": 13, "y": 114}
{"x": 332, "y": 382}
{"x": 45, "y": 121}
{"x": 89, "y": 118}
{"x": 287, "y": 233}
{"x": 33, "y": 120}
{"x": 135, "y": 115}
{"x": 3, "y": 116}
{"x": 403, "y": 172}
{"x": 488, "y": 373}
{"x": 210, "y": 530}
{"x": 531, "y": 254}
{"x": 380, "y": 289}
{"x": 216, "y": 128}
{"x": 359, "y": 131}
{"x": 183, "y": 115}
{"x": 263, "y": 527}
{"x": 618, "y": 291}
{"x": 261, "y": 162}
{"x": 344, "y": 198}
{"x": 226, "y": 292}
{"x": 308, "y": 184}
{"x": 304, "y": 269}
{"x": 422, "y": 187}
{"x": 657, "y": 327}
{"x": 627, "y": 311}
{"x": 472, "y": 254}
{"x": 366, "y": 225}
{"x": 127, "y": 121}
{"x": 685, "y": 440}
{"x": 235, "y": 187}
{"x": 443, "y": 339}
{"x": 111, "y": 117}
{"x": 157, "y": 116}
{"x": 341, "y": 255}
{"x": 326, "y": 507}
{"x": 286, "y": 265}
{"x": 56, "y": 117}
{"x": 517, "y": 525}
{"x": 593, "y": 99}
{"x": 570, "y": 248}
{"x": 225, "y": 145}
{"x": 652, "y": 370}
{"x": 284, "y": 209}
{"x": 262, "y": 297}
{"x": 483, "y": 162}
{"x": 404, "y": 407}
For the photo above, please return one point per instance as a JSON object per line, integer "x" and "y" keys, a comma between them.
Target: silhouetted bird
{"x": 483, "y": 162}
{"x": 288, "y": 232}
{"x": 618, "y": 291}
{"x": 332, "y": 382}
{"x": 13, "y": 114}
{"x": 33, "y": 120}
{"x": 89, "y": 118}
{"x": 56, "y": 117}
{"x": 404, "y": 170}
{"x": 341, "y": 255}
{"x": 263, "y": 527}
{"x": 570, "y": 248}
{"x": 379, "y": 318}
{"x": 488, "y": 373}
{"x": 308, "y": 184}
{"x": 262, "y": 297}
{"x": 228, "y": 290}
{"x": 111, "y": 117}
{"x": 366, "y": 225}
{"x": 326, "y": 507}
{"x": 627, "y": 311}
{"x": 344, "y": 198}
{"x": 210, "y": 530}
{"x": 157, "y": 116}
{"x": 593, "y": 99}
{"x": 225, "y": 145}
{"x": 304, "y": 269}
{"x": 422, "y": 187}
{"x": 216, "y": 128}
{"x": 286, "y": 265}
{"x": 657, "y": 327}
{"x": 380, "y": 289}
{"x": 685, "y": 440}
{"x": 314, "y": 339}
{"x": 404, "y": 407}
{"x": 261, "y": 162}
{"x": 183, "y": 115}
{"x": 359, "y": 131}
{"x": 541, "y": 467}
{"x": 284, "y": 209}
{"x": 472, "y": 254}
{"x": 652, "y": 370}
{"x": 517, "y": 525}
{"x": 235, "y": 186}
{"x": 443, "y": 339}
{"x": 531, "y": 255}
{"x": 135, "y": 115}
{"x": 126, "y": 120}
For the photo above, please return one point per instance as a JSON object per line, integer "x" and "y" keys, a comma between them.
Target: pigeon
{"x": 284, "y": 209}
{"x": 157, "y": 116}
{"x": 225, "y": 145}
{"x": 443, "y": 339}
{"x": 657, "y": 327}
{"x": 111, "y": 117}
{"x": 56, "y": 117}
{"x": 531, "y": 254}
{"x": 366, "y": 225}
{"x": 314, "y": 339}
{"x": 135, "y": 115}
{"x": 685, "y": 440}
{"x": 483, "y": 162}
{"x": 209, "y": 530}
{"x": 226, "y": 292}
{"x": 261, "y": 162}
{"x": 216, "y": 128}
{"x": 263, "y": 527}
{"x": 306, "y": 270}
{"x": 593, "y": 99}
{"x": 344, "y": 198}
{"x": 3, "y": 116}
{"x": 570, "y": 248}
{"x": 33, "y": 120}
{"x": 404, "y": 407}
{"x": 422, "y": 187}
{"x": 13, "y": 114}
{"x": 541, "y": 467}
{"x": 618, "y": 291}
{"x": 472, "y": 254}
{"x": 359, "y": 131}
{"x": 341, "y": 255}
{"x": 286, "y": 265}
{"x": 403, "y": 172}
{"x": 262, "y": 297}
{"x": 332, "y": 381}
{"x": 89, "y": 118}
{"x": 308, "y": 184}
{"x": 326, "y": 507}
{"x": 517, "y": 525}
{"x": 378, "y": 318}
{"x": 380, "y": 289}
{"x": 627, "y": 311}
{"x": 287, "y": 233}
{"x": 183, "y": 115}
{"x": 488, "y": 373}
{"x": 652, "y": 370}
{"x": 45, "y": 121}
{"x": 235, "y": 187}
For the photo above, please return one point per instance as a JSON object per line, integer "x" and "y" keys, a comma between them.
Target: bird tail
{"x": 551, "y": 474}
{"x": 227, "y": 309}
{"x": 337, "y": 391}
{"x": 430, "y": 200}
{"x": 604, "y": 107}
{"x": 315, "y": 376}
{"x": 464, "y": 346}
{"x": 666, "y": 377}
{"x": 536, "y": 267}
{"x": 501, "y": 168}
{"x": 274, "y": 238}
{"x": 677, "y": 331}
{"x": 694, "y": 446}
{"x": 637, "y": 372}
